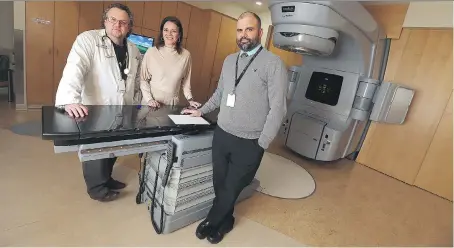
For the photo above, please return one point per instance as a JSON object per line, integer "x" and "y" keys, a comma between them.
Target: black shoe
{"x": 216, "y": 236}
{"x": 109, "y": 196}
{"x": 203, "y": 229}
{"x": 115, "y": 185}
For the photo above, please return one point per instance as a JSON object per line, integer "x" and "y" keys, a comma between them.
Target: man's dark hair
{"x": 160, "y": 42}
{"x": 122, "y": 7}
{"x": 250, "y": 13}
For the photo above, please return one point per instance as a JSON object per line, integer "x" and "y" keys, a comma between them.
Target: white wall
{"x": 6, "y": 25}
{"x": 19, "y": 15}
{"x": 19, "y": 49}
{"x": 429, "y": 14}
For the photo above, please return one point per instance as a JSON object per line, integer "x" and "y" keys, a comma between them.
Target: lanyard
{"x": 237, "y": 80}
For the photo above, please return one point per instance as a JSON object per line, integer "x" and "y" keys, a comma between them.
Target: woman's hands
{"x": 154, "y": 104}
{"x": 194, "y": 104}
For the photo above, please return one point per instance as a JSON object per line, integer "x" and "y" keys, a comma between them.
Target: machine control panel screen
{"x": 324, "y": 88}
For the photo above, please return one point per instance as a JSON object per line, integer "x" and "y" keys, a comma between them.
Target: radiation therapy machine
{"x": 338, "y": 89}
{"x": 176, "y": 176}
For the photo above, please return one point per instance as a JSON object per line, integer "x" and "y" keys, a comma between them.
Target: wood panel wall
{"x": 417, "y": 152}
{"x": 390, "y": 17}
{"x": 39, "y": 51}
{"x": 435, "y": 173}
{"x": 208, "y": 35}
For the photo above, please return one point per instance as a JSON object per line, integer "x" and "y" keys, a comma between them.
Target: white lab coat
{"x": 92, "y": 75}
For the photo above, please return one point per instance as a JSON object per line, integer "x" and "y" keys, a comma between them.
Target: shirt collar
{"x": 252, "y": 52}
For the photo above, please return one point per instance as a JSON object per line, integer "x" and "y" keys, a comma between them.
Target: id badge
{"x": 122, "y": 86}
{"x": 231, "y": 100}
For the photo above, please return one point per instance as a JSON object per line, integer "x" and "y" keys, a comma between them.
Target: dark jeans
{"x": 97, "y": 173}
{"x": 235, "y": 163}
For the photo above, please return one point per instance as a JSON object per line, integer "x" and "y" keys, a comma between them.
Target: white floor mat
{"x": 280, "y": 177}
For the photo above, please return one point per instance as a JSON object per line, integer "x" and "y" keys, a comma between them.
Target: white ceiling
{"x": 244, "y": 5}
{"x": 252, "y": 6}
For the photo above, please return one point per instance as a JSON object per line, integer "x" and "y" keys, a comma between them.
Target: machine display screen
{"x": 142, "y": 42}
{"x": 324, "y": 88}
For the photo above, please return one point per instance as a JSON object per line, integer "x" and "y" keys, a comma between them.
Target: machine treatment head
{"x": 337, "y": 88}
{"x": 314, "y": 27}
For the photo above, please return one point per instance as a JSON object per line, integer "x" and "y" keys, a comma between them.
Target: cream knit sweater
{"x": 163, "y": 73}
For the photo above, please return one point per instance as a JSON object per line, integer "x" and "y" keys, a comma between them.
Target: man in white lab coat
{"x": 102, "y": 69}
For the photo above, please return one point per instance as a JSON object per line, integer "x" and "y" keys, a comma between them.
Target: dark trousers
{"x": 96, "y": 174}
{"x": 235, "y": 162}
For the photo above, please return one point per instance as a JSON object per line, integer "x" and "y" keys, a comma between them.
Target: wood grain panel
{"x": 214, "y": 26}
{"x": 196, "y": 46}
{"x": 107, "y": 3}
{"x": 137, "y": 9}
{"x": 184, "y": 14}
{"x": 225, "y": 46}
{"x": 436, "y": 171}
{"x": 65, "y": 32}
{"x": 137, "y": 30}
{"x": 168, "y": 9}
{"x": 152, "y": 15}
{"x": 150, "y": 33}
{"x": 39, "y": 52}
{"x": 389, "y": 16}
{"x": 90, "y": 15}
{"x": 420, "y": 59}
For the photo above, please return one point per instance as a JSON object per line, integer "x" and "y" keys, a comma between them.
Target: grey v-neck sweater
{"x": 260, "y": 97}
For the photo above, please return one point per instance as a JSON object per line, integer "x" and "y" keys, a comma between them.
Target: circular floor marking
{"x": 282, "y": 178}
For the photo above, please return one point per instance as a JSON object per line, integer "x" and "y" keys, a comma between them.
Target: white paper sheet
{"x": 188, "y": 120}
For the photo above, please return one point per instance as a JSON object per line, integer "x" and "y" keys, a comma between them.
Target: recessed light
{"x": 258, "y": 3}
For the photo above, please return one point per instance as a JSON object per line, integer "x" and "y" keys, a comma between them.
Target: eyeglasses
{"x": 114, "y": 21}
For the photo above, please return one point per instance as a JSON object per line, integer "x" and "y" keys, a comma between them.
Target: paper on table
{"x": 187, "y": 119}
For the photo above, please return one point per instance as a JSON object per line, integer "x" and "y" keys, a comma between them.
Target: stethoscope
{"x": 126, "y": 70}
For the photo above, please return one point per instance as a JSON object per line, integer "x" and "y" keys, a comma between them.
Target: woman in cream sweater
{"x": 166, "y": 68}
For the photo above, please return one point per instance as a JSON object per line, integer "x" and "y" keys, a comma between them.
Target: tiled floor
{"x": 43, "y": 203}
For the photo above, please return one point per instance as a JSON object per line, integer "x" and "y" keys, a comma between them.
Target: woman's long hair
{"x": 176, "y": 21}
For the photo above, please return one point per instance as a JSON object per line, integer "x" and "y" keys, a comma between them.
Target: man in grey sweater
{"x": 251, "y": 95}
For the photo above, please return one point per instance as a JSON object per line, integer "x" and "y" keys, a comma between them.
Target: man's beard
{"x": 246, "y": 47}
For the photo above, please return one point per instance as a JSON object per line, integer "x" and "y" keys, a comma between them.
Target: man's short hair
{"x": 122, "y": 7}
{"x": 250, "y": 13}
